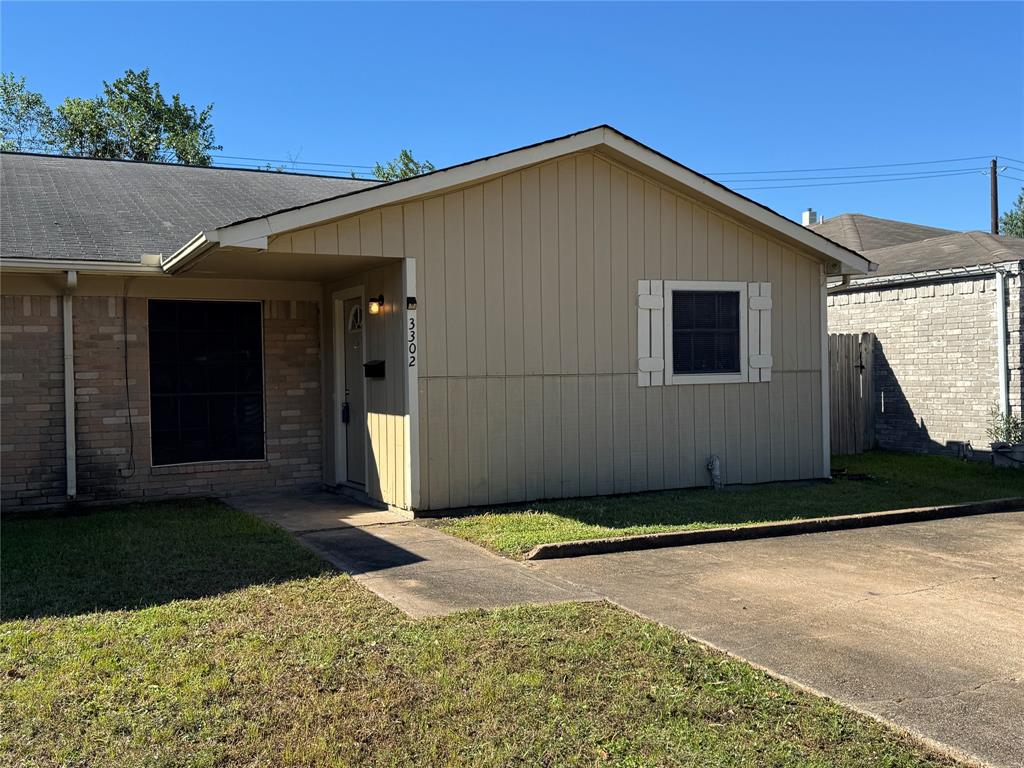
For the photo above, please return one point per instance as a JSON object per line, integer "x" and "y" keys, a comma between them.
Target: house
{"x": 945, "y": 308}
{"x": 577, "y": 317}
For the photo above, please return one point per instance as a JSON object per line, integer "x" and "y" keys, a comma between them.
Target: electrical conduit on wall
{"x": 1001, "y": 340}
{"x": 69, "y": 386}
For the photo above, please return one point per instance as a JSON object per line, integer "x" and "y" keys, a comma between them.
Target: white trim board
{"x": 740, "y": 288}
{"x": 413, "y": 343}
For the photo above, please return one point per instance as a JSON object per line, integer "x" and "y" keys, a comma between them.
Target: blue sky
{"x": 720, "y": 87}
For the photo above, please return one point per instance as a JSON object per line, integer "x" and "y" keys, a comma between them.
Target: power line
{"x": 294, "y": 169}
{"x": 292, "y": 162}
{"x": 1011, "y": 159}
{"x": 1015, "y": 178}
{"x": 868, "y": 181}
{"x": 853, "y": 167}
{"x": 855, "y": 176}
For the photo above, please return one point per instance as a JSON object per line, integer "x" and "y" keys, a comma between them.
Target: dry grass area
{"x": 251, "y": 653}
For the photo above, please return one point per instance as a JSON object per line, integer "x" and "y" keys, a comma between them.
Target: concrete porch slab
{"x": 421, "y": 570}
{"x": 315, "y": 511}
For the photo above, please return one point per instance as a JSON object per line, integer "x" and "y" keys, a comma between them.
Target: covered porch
{"x": 368, "y": 345}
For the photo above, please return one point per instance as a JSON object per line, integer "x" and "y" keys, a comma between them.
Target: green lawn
{"x": 876, "y": 481}
{"x": 236, "y": 647}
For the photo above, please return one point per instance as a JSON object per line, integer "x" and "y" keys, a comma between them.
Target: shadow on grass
{"x": 136, "y": 555}
{"x": 870, "y": 482}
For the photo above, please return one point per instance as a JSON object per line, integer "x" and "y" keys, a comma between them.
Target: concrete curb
{"x": 767, "y": 530}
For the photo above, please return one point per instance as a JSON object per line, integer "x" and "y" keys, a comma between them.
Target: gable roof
{"x": 60, "y": 212}
{"x": 253, "y": 232}
{"x": 959, "y": 249}
{"x": 866, "y": 233}
{"x": 115, "y": 211}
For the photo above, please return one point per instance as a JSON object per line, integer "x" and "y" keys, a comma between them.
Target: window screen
{"x": 705, "y": 332}
{"x": 206, "y": 380}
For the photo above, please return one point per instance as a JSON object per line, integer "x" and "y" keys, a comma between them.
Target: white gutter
{"x": 927, "y": 275}
{"x": 84, "y": 266}
{"x": 193, "y": 249}
{"x": 844, "y": 283}
{"x": 1001, "y": 334}
{"x": 70, "y": 458}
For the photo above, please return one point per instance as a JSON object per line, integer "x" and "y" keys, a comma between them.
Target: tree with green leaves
{"x": 25, "y": 117}
{"x": 130, "y": 120}
{"x": 402, "y": 167}
{"x": 1011, "y": 223}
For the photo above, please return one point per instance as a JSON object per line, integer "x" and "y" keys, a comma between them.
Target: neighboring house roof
{"x": 112, "y": 210}
{"x": 863, "y": 233}
{"x": 959, "y": 249}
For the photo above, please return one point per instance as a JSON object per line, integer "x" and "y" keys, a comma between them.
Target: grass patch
{"x": 307, "y": 668}
{"x": 877, "y": 481}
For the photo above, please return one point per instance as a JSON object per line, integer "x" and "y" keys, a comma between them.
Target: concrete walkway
{"x": 421, "y": 570}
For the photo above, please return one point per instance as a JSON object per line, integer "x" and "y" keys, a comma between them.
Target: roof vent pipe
{"x": 809, "y": 217}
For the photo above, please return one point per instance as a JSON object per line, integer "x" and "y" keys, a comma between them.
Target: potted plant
{"x": 1004, "y": 430}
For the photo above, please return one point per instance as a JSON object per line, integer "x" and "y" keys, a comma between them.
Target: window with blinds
{"x": 705, "y": 332}
{"x": 206, "y": 380}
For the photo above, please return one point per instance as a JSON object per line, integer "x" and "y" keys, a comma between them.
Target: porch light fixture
{"x": 376, "y": 305}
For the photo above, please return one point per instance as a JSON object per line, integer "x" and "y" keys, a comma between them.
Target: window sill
{"x": 707, "y": 378}
{"x": 198, "y": 467}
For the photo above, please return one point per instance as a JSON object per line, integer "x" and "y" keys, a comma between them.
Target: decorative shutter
{"x": 759, "y": 332}
{"x": 650, "y": 333}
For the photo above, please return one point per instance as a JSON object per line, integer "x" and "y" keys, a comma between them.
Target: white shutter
{"x": 650, "y": 333}
{"x": 759, "y": 332}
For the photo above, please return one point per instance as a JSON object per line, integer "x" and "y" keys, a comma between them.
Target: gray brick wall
{"x": 936, "y": 375}
{"x": 32, "y": 427}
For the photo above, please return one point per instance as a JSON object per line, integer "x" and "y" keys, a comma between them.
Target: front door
{"x": 354, "y": 409}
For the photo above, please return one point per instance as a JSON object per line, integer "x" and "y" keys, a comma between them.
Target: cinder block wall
{"x": 936, "y": 376}
{"x": 32, "y": 430}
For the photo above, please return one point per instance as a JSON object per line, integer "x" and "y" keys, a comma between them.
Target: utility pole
{"x": 994, "y": 194}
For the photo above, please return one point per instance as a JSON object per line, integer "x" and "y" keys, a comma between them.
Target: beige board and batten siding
{"x": 527, "y": 366}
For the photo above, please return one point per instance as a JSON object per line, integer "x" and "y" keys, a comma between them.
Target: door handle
{"x": 344, "y": 413}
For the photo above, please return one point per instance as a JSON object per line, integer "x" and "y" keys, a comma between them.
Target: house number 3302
{"x": 412, "y": 342}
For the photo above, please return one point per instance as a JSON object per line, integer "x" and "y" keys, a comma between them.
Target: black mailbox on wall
{"x": 373, "y": 369}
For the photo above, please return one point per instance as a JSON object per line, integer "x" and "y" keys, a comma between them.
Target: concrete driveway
{"x": 920, "y": 624}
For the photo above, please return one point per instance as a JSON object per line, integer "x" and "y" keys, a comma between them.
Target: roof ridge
{"x": 187, "y": 165}
{"x": 860, "y": 236}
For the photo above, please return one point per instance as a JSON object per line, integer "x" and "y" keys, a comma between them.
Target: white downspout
{"x": 1004, "y": 384}
{"x": 69, "y": 387}
{"x": 826, "y": 392}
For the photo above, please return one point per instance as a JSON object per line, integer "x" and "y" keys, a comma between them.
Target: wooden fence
{"x": 851, "y": 381}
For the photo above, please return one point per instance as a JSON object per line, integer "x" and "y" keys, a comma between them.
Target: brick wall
{"x": 31, "y": 401}
{"x": 936, "y": 375}
{"x": 33, "y": 425}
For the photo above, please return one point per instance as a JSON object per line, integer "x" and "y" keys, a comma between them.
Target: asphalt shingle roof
{"x": 108, "y": 210}
{"x": 959, "y": 249}
{"x": 866, "y": 233}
